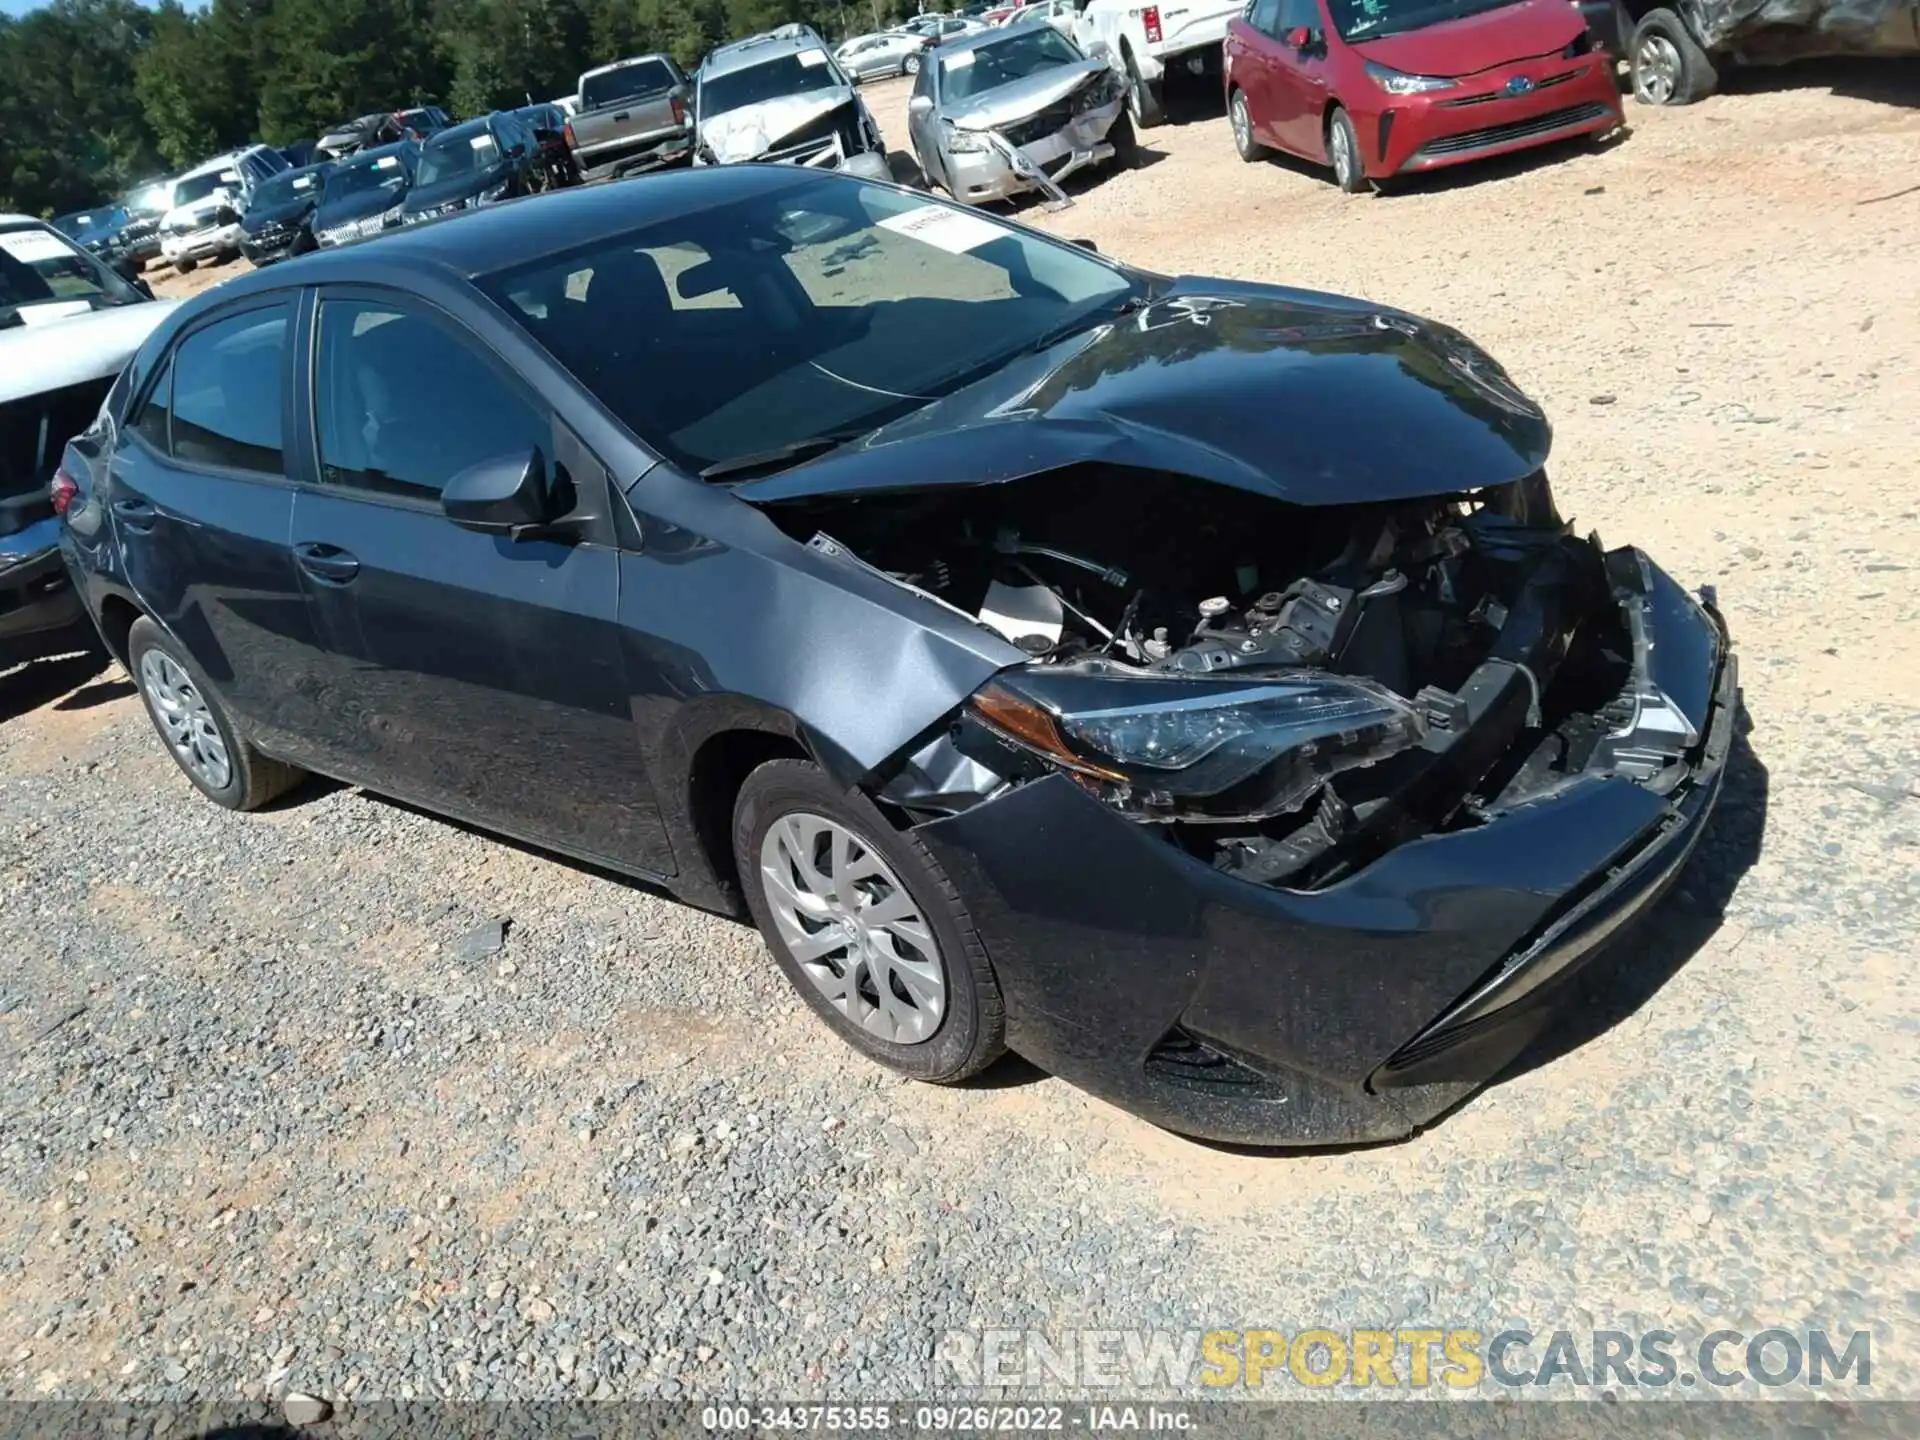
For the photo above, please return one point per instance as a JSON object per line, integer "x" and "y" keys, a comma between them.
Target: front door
{"x": 1299, "y": 78}
{"x": 198, "y": 499}
{"x": 476, "y": 674}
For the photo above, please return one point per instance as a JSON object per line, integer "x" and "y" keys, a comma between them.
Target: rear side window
{"x": 228, "y": 380}
{"x": 154, "y": 415}
{"x": 404, "y": 406}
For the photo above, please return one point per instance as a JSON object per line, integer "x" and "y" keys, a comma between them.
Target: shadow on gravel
{"x": 1884, "y": 80}
{"x": 1620, "y": 981}
{"x": 103, "y": 691}
{"x": 39, "y": 682}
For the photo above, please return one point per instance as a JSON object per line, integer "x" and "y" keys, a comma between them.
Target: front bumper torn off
{"x": 1255, "y": 1014}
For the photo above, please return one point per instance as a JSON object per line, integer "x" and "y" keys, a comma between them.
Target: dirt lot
{"x": 266, "y": 1123}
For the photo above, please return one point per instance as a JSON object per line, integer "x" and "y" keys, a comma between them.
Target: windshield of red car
{"x": 987, "y": 67}
{"x": 1370, "y": 19}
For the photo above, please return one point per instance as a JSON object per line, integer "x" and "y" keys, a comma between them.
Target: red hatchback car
{"x": 1376, "y": 88}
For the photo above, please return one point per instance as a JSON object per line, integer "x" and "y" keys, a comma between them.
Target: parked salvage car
{"x": 882, "y": 55}
{"x": 1013, "y": 110}
{"x": 100, "y": 232}
{"x": 1677, "y": 51}
{"x": 146, "y": 205}
{"x": 782, "y": 97}
{"x": 548, "y": 122}
{"x": 1154, "y": 42}
{"x": 365, "y": 195}
{"x": 279, "y": 222}
{"x": 363, "y": 133}
{"x": 68, "y": 324}
{"x": 208, "y": 201}
{"x": 1187, "y": 683}
{"x": 632, "y": 117}
{"x": 941, "y": 28}
{"x": 475, "y": 163}
{"x": 1379, "y": 88}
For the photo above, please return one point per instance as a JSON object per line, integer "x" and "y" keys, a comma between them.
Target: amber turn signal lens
{"x": 1032, "y": 728}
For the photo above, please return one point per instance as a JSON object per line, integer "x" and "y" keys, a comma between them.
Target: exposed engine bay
{"x": 1333, "y": 680}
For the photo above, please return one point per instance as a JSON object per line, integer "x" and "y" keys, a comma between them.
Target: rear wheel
{"x": 1343, "y": 153}
{"x": 1241, "y": 118}
{"x": 1669, "y": 66}
{"x": 184, "y": 266}
{"x": 1143, "y": 98}
{"x": 866, "y": 925}
{"x": 195, "y": 727}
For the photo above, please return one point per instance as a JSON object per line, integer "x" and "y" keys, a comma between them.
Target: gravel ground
{"x": 282, "y": 1107}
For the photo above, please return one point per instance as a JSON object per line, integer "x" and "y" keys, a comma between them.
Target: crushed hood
{"x": 755, "y": 129}
{"x": 1478, "y": 42}
{"x": 1005, "y": 104}
{"x": 1312, "y": 399}
{"x": 1889, "y": 27}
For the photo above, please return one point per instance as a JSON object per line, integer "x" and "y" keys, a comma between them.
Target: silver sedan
{"x": 873, "y": 57}
{"x": 1013, "y": 110}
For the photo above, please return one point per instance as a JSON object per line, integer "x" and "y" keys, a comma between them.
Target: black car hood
{"x": 1310, "y": 398}
{"x": 357, "y": 206}
{"x": 289, "y": 212}
{"x": 456, "y": 187}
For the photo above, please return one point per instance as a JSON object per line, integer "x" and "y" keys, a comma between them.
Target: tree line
{"x": 97, "y": 95}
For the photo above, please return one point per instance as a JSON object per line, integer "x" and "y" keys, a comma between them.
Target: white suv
{"x": 1148, "y": 41}
{"x": 208, "y": 201}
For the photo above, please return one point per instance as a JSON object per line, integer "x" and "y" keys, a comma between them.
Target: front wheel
{"x": 1240, "y": 116}
{"x": 1126, "y": 145}
{"x": 1669, "y": 66}
{"x": 184, "y": 266}
{"x": 1343, "y": 153}
{"x": 866, "y": 925}
{"x": 910, "y": 65}
{"x": 194, "y": 725}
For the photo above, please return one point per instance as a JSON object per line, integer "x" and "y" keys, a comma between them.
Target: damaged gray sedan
{"x": 1012, "y": 111}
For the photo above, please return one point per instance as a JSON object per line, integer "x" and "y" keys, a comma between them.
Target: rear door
{"x": 200, "y": 508}
{"x": 477, "y": 675}
{"x": 1250, "y": 60}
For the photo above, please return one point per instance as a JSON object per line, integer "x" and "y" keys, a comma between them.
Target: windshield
{"x": 149, "y": 200}
{"x": 769, "y": 80}
{"x": 378, "y": 171}
{"x": 688, "y": 329}
{"x": 85, "y": 224}
{"x": 629, "y": 82}
{"x": 1370, "y": 19}
{"x": 199, "y": 187}
{"x": 987, "y": 67}
{"x": 43, "y": 275}
{"x": 455, "y": 154}
{"x": 289, "y": 186}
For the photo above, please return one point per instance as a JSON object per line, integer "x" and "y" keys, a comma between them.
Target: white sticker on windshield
{"x": 41, "y": 314}
{"x": 957, "y": 62}
{"x": 28, "y": 246}
{"x": 481, "y": 142}
{"x": 387, "y": 162}
{"x": 951, "y": 230}
{"x": 811, "y": 58}
{"x": 303, "y": 182}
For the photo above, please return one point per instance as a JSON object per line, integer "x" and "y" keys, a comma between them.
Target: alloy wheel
{"x": 185, "y": 720}
{"x": 852, "y": 928}
{"x": 1242, "y": 123}
{"x": 1340, "y": 141}
{"x": 1656, "y": 69}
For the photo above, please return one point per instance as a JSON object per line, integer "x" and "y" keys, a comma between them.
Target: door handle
{"x": 137, "y": 515}
{"x": 624, "y": 115}
{"x": 328, "y": 564}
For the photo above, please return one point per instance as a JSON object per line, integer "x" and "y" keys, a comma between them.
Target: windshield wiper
{"x": 781, "y": 455}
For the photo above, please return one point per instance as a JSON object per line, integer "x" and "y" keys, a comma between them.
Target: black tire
{"x": 184, "y": 266}
{"x": 1126, "y": 144}
{"x": 254, "y": 778}
{"x": 1349, "y": 170}
{"x": 910, "y": 65}
{"x": 971, "y": 1033}
{"x": 1668, "y": 65}
{"x": 1240, "y": 120}
{"x": 1143, "y": 100}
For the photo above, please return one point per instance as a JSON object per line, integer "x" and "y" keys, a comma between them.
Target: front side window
{"x": 798, "y": 312}
{"x": 403, "y": 405}
{"x": 228, "y": 383}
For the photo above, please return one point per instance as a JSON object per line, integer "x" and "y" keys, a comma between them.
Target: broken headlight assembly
{"x": 1161, "y": 748}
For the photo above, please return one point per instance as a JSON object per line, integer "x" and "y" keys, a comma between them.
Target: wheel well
{"x": 116, "y": 619}
{"x": 720, "y": 767}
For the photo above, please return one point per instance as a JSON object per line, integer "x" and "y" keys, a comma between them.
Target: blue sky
{"x": 21, "y": 7}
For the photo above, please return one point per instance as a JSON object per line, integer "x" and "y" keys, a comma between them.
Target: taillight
{"x": 1150, "y": 17}
{"x": 679, "y": 111}
{"x": 61, "y": 490}
{"x": 572, "y": 144}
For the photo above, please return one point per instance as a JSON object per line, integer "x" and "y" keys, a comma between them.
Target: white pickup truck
{"x": 1150, "y": 41}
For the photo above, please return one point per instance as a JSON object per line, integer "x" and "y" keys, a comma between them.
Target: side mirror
{"x": 1300, "y": 38}
{"x": 1099, "y": 50}
{"x": 509, "y": 495}
{"x": 920, "y": 105}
